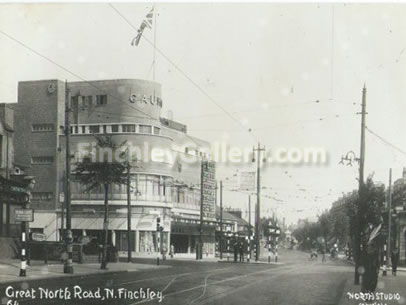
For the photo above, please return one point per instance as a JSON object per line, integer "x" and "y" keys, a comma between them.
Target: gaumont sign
{"x": 144, "y": 99}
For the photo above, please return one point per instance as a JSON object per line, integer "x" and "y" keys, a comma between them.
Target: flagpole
{"x": 153, "y": 63}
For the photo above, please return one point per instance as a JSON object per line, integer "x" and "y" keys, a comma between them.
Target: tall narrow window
{"x": 94, "y": 129}
{"x": 101, "y": 100}
{"x": 128, "y": 128}
{"x": 146, "y": 129}
{"x": 114, "y": 128}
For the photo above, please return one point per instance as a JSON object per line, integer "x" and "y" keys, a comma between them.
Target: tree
{"x": 325, "y": 228}
{"x": 106, "y": 167}
{"x": 365, "y": 215}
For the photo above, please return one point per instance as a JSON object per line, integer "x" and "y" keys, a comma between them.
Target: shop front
{"x": 185, "y": 236}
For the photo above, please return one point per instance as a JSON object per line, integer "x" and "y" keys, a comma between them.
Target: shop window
{"x": 147, "y": 241}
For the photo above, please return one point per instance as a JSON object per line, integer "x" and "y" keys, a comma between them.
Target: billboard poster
{"x": 209, "y": 190}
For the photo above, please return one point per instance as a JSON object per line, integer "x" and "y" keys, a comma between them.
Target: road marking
{"x": 152, "y": 278}
{"x": 217, "y": 282}
{"x": 161, "y": 277}
{"x": 204, "y": 290}
{"x": 243, "y": 286}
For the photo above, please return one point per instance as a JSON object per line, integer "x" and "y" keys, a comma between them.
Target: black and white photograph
{"x": 191, "y": 153}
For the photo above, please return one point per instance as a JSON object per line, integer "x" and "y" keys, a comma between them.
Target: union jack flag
{"x": 146, "y": 23}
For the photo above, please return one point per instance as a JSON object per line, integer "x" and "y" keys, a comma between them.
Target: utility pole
{"x": 388, "y": 241}
{"x": 249, "y": 229}
{"x": 129, "y": 211}
{"x": 199, "y": 254}
{"x": 61, "y": 238}
{"x": 221, "y": 220}
{"x": 357, "y": 241}
{"x": 257, "y": 215}
{"x": 68, "y": 267}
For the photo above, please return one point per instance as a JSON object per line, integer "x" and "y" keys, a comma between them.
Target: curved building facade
{"x": 165, "y": 184}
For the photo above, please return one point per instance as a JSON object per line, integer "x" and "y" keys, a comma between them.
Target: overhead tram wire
{"x": 197, "y": 86}
{"x": 385, "y": 141}
{"x": 79, "y": 77}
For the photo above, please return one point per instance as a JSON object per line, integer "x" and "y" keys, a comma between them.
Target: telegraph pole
{"x": 249, "y": 229}
{"x": 68, "y": 267}
{"x": 388, "y": 241}
{"x": 199, "y": 254}
{"x": 221, "y": 220}
{"x": 61, "y": 238}
{"x": 129, "y": 211}
{"x": 257, "y": 215}
{"x": 357, "y": 241}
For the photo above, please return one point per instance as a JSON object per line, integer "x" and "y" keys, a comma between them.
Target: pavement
{"x": 294, "y": 280}
{"x": 388, "y": 287}
{"x": 10, "y": 270}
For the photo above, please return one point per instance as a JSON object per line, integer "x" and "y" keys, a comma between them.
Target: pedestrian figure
{"x": 241, "y": 250}
{"x": 172, "y": 250}
{"x": 370, "y": 259}
{"x": 235, "y": 247}
{"x": 323, "y": 253}
{"x": 100, "y": 252}
{"x": 395, "y": 259}
{"x": 313, "y": 254}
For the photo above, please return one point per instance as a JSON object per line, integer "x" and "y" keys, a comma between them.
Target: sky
{"x": 284, "y": 75}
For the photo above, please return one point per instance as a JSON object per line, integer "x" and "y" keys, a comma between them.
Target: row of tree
{"x": 339, "y": 224}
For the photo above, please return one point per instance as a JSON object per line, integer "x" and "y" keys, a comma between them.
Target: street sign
{"x": 38, "y": 236}
{"x": 247, "y": 181}
{"x": 24, "y": 215}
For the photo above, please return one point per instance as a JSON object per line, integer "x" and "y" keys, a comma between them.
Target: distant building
{"x": 11, "y": 174}
{"x": 399, "y": 209}
{"x": 233, "y": 225}
{"x": 127, "y": 110}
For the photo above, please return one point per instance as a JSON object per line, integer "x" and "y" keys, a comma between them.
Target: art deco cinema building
{"x": 127, "y": 110}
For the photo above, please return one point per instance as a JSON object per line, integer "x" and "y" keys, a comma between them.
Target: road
{"x": 296, "y": 280}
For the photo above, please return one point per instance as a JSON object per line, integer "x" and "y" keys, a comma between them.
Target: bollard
{"x": 23, "y": 262}
{"x": 384, "y": 260}
{"x": 46, "y": 255}
{"x": 276, "y": 250}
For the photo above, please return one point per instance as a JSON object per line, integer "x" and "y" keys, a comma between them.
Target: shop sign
{"x": 24, "y": 215}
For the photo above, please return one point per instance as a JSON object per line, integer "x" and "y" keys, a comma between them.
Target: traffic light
{"x": 158, "y": 224}
{"x": 273, "y": 230}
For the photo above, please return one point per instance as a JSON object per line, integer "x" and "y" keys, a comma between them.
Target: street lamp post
{"x": 68, "y": 267}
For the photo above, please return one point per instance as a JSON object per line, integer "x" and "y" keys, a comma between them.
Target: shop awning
{"x": 97, "y": 223}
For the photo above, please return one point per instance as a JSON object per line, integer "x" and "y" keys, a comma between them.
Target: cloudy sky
{"x": 286, "y": 75}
